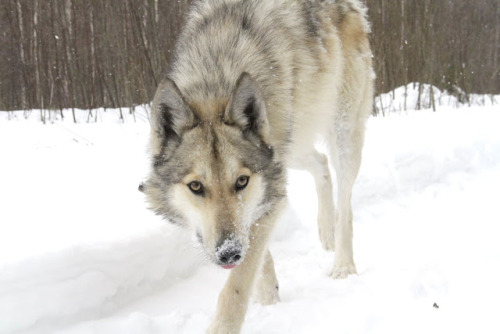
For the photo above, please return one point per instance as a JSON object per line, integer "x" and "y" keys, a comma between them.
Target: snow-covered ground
{"x": 81, "y": 254}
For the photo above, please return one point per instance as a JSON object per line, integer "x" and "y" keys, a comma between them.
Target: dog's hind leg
{"x": 350, "y": 112}
{"x": 316, "y": 164}
{"x": 346, "y": 156}
{"x": 234, "y": 297}
{"x": 267, "y": 287}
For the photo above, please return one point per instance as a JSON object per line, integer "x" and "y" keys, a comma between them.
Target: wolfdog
{"x": 252, "y": 88}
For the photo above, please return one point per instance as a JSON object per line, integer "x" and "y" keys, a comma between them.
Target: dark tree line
{"x": 84, "y": 53}
{"x": 448, "y": 43}
{"x": 112, "y": 53}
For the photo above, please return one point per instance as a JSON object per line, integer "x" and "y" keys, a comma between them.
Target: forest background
{"x": 58, "y": 54}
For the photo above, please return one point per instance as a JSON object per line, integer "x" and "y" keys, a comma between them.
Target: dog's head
{"x": 213, "y": 170}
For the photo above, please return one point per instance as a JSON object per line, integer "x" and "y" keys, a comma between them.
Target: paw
{"x": 327, "y": 237}
{"x": 343, "y": 270}
{"x": 267, "y": 295}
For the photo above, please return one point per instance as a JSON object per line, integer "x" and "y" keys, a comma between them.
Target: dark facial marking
{"x": 215, "y": 143}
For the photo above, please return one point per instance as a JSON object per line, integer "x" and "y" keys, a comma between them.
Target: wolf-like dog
{"x": 253, "y": 86}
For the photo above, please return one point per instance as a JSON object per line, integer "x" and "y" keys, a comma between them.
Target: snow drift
{"x": 417, "y": 96}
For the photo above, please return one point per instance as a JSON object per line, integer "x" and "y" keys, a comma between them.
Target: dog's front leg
{"x": 233, "y": 299}
{"x": 266, "y": 290}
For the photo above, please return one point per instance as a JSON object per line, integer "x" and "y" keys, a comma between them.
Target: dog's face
{"x": 212, "y": 169}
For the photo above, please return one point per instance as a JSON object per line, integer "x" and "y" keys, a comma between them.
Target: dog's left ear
{"x": 246, "y": 107}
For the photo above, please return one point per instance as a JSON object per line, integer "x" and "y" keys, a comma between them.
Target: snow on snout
{"x": 229, "y": 246}
{"x": 229, "y": 253}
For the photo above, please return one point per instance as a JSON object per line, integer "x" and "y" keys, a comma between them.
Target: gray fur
{"x": 253, "y": 85}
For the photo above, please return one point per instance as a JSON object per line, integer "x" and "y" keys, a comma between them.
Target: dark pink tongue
{"x": 229, "y": 267}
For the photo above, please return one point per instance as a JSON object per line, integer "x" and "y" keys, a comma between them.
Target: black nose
{"x": 230, "y": 257}
{"x": 229, "y": 252}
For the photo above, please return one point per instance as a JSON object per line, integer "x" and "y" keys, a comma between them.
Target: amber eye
{"x": 242, "y": 182}
{"x": 196, "y": 187}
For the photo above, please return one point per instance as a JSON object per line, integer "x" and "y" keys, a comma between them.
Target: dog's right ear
{"x": 171, "y": 114}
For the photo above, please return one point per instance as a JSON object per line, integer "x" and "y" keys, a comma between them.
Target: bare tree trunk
{"x": 496, "y": 47}
{"x": 403, "y": 51}
{"x": 69, "y": 46}
{"x": 59, "y": 55}
{"x": 36, "y": 51}
{"x": 157, "y": 13}
{"x": 92, "y": 58}
{"x": 23, "y": 56}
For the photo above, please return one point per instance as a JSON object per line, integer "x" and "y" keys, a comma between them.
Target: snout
{"x": 229, "y": 253}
